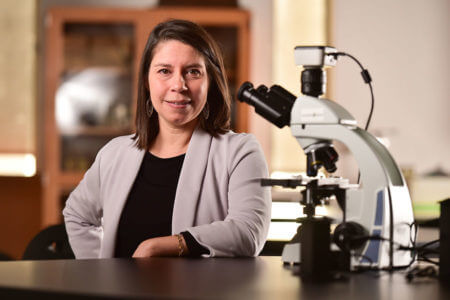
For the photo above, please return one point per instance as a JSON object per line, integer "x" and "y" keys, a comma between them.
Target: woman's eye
{"x": 194, "y": 72}
{"x": 163, "y": 71}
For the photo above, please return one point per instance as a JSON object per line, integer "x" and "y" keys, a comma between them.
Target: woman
{"x": 183, "y": 184}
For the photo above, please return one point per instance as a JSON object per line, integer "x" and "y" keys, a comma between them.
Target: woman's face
{"x": 178, "y": 84}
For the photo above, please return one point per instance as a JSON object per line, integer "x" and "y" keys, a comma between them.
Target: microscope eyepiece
{"x": 246, "y": 88}
{"x": 273, "y": 104}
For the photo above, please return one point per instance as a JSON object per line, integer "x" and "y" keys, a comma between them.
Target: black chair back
{"x": 50, "y": 243}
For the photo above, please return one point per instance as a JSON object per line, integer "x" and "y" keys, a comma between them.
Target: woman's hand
{"x": 161, "y": 246}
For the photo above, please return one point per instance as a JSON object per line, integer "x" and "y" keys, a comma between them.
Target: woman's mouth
{"x": 178, "y": 103}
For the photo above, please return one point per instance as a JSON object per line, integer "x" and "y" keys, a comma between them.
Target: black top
{"x": 149, "y": 206}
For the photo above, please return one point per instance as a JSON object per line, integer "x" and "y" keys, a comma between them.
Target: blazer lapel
{"x": 125, "y": 173}
{"x": 191, "y": 181}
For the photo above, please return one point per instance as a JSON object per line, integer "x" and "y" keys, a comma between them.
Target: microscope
{"x": 376, "y": 212}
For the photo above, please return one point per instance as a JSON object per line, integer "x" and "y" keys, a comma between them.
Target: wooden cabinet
{"x": 92, "y": 59}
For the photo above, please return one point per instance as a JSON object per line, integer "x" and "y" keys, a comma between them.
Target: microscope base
{"x": 292, "y": 252}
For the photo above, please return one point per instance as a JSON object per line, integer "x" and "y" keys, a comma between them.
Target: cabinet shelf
{"x": 96, "y": 131}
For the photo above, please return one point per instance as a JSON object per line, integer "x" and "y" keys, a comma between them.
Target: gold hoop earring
{"x": 205, "y": 111}
{"x": 149, "y": 108}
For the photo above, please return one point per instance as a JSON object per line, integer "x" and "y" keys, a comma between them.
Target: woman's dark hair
{"x": 218, "y": 98}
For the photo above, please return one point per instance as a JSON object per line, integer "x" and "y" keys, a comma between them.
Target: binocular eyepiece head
{"x": 273, "y": 104}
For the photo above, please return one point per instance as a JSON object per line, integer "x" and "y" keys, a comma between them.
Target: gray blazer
{"x": 219, "y": 199}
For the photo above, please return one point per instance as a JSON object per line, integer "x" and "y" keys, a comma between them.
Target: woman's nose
{"x": 178, "y": 83}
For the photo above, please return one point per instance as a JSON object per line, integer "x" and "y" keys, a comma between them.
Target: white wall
{"x": 405, "y": 44}
{"x": 261, "y": 23}
{"x": 17, "y": 76}
{"x": 296, "y": 22}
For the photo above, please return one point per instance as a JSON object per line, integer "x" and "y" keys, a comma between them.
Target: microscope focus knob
{"x": 350, "y": 236}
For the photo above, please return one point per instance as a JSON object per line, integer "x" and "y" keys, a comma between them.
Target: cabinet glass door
{"x": 94, "y": 98}
{"x": 226, "y": 37}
